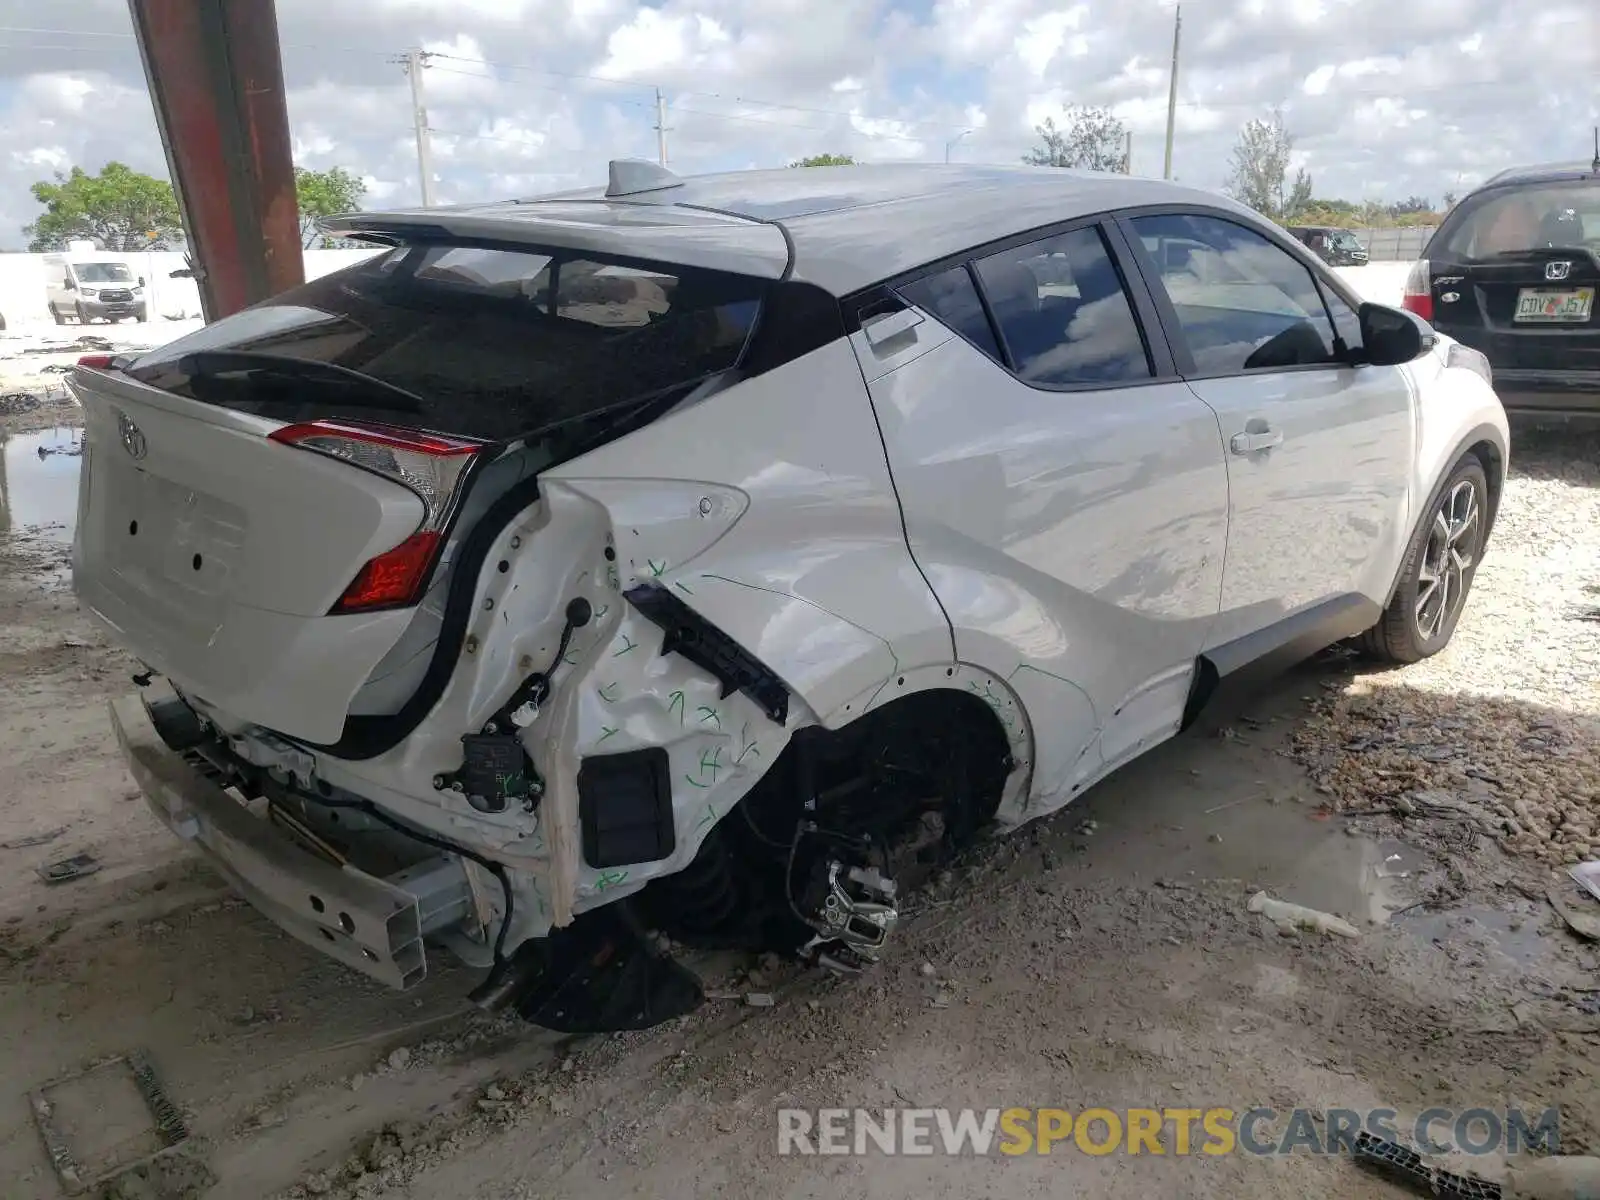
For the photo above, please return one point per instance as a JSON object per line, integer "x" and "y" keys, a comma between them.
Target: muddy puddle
{"x": 39, "y": 484}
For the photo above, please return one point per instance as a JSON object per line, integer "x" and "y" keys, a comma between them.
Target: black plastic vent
{"x": 625, "y": 808}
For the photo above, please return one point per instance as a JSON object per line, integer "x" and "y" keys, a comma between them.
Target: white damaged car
{"x": 708, "y": 556}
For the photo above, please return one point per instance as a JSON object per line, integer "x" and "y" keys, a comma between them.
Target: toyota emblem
{"x": 132, "y": 437}
{"x": 1557, "y": 270}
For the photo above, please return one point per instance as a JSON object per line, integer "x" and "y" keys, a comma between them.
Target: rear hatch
{"x": 265, "y": 502}
{"x": 1514, "y": 273}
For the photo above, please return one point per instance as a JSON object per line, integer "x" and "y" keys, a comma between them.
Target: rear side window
{"x": 477, "y": 342}
{"x": 1514, "y": 221}
{"x": 1064, "y": 313}
{"x": 1243, "y": 303}
{"x": 953, "y": 298}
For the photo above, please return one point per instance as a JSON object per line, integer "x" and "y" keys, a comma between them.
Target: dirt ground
{"x": 1104, "y": 957}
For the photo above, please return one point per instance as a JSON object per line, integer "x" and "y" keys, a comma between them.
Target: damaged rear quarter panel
{"x": 768, "y": 509}
{"x": 812, "y": 577}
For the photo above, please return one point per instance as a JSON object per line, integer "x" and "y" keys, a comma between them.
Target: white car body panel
{"x": 1454, "y": 405}
{"x": 1313, "y": 517}
{"x": 217, "y": 561}
{"x": 1075, "y": 540}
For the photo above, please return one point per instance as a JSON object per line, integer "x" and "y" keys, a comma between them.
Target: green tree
{"x": 1259, "y": 167}
{"x": 1299, "y": 201}
{"x": 122, "y": 209}
{"x": 1092, "y": 139}
{"x": 325, "y": 194}
{"x": 826, "y": 160}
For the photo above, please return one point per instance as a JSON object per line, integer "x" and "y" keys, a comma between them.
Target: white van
{"x": 92, "y": 283}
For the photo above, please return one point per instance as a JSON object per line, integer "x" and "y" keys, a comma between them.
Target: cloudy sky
{"x": 1387, "y": 98}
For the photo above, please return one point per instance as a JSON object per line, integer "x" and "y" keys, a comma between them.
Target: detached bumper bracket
{"x": 707, "y": 647}
{"x": 370, "y": 924}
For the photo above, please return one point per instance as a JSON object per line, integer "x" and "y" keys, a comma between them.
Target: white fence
{"x": 22, "y": 297}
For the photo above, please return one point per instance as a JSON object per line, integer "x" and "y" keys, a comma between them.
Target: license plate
{"x": 1553, "y": 306}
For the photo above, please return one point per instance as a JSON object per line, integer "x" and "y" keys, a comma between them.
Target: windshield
{"x": 482, "y": 343}
{"x": 1345, "y": 240}
{"x": 103, "y": 272}
{"x": 1544, "y": 216}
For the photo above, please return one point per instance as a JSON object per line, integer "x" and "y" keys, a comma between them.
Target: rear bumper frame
{"x": 370, "y": 924}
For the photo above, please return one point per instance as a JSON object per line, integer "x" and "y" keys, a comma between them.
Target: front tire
{"x": 55, "y": 315}
{"x": 82, "y": 320}
{"x": 1439, "y": 565}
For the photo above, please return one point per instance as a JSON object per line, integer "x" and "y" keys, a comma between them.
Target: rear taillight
{"x": 395, "y": 578}
{"x": 1419, "y": 290}
{"x": 97, "y": 362}
{"x": 432, "y": 465}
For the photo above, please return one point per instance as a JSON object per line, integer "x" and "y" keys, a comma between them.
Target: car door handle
{"x": 881, "y": 330}
{"x": 1252, "y": 443}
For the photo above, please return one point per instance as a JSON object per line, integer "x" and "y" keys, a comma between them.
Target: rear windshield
{"x": 482, "y": 343}
{"x": 1562, "y": 216}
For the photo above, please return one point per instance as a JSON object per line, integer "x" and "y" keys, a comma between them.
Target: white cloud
{"x": 1413, "y": 98}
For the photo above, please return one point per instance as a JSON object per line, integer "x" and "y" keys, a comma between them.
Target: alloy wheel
{"x": 1447, "y": 559}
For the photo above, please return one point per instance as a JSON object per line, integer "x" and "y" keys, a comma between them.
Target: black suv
{"x": 1513, "y": 272}
{"x": 1334, "y": 246}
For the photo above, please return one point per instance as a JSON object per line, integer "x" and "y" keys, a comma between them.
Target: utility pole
{"x": 661, "y": 128}
{"x": 414, "y": 62}
{"x": 1172, "y": 91}
{"x": 1127, "y": 155}
{"x": 950, "y": 145}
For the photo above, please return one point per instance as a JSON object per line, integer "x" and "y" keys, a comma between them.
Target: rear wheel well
{"x": 914, "y": 780}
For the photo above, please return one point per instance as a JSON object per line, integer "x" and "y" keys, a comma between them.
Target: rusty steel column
{"x": 216, "y": 81}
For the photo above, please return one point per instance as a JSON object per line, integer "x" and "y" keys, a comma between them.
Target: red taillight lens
{"x": 393, "y": 579}
{"x": 1419, "y": 291}
{"x": 97, "y": 362}
{"x": 432, "y": 465}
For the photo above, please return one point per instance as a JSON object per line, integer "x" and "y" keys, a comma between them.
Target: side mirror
{"x": 1391, "y": 336}
{"x": 70, "y": 286}
{"x": 141, "y": 281}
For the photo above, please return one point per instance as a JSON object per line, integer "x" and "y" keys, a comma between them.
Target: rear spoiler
{"x": 653, "y": 233}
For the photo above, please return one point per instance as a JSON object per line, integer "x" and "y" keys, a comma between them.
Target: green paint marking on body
{"x": 604, "y": 609}
{"x": 693, "y": 782}
{"x": 682, "y": 587}
{"x": 605, "y": 732}
{"x": 628, "y": 644}
{"x": 656, "y": 572}
{"x": 611, "y": 688}
{"x": 610, "y": 880}
{"x": 711, "y": 760}
{"x": 707, "y": 713}
{"x": 706, "y": 817}
{"x": 747, "y": 748}
{"x": 675, "y": 701}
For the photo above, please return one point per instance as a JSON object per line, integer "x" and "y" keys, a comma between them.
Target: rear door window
{"x": 480, "y": 342}
{"x": 952, "y": 297}
{"x": 1064, "y": 313}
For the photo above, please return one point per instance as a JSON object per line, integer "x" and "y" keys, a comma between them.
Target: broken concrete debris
{"x": 1588, "y": 876}
{"x": 64, "y": 869}
{"x": 1585, "y": 925}
{"x": 1297, "y": 916}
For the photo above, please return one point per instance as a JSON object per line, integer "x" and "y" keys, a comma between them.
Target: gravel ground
{"x": 1504, "y": 725}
